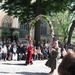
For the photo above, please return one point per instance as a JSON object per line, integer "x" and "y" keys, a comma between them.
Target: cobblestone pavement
{"x": 18, "y": 68}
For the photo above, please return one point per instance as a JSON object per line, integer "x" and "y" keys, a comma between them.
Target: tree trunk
{"x": 37, "y": 25}
{"x": 70, "y": 32}
{"x": 65, "y": 40}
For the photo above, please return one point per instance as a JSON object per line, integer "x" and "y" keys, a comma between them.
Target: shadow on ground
{"x": 31, "y": 73}
{"x": 23, "y": 73}
{"x": 14, "y": 64}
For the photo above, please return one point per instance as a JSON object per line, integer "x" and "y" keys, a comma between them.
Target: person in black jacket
{"x": 9, "y": 53}
{"x": 21, "y": 52}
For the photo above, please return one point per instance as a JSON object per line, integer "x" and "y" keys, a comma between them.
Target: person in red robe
{"x": 29, "y": 59}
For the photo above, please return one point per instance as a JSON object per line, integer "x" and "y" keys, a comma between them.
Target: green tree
{"x": 63, "y": 22}
{"x": 72, "y": 12}
{"x": 6, "y": 33}
{"x": 15, "y": 35}
{"x": 0, "y": 0}
{"x": 26, "y": 11}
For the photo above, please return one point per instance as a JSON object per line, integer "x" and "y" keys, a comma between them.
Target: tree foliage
{"x": 63, "y": 23}
{"x": 25, "y": 10}
{"x": 6, "y": 33}
{"x": 0, "y": 0}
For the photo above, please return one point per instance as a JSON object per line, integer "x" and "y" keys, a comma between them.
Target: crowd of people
{"x": 19, "y": 50}
{"x": 27, "y": 50}
{"x": 67, "y": 53}
{"x": 8, "y": 49}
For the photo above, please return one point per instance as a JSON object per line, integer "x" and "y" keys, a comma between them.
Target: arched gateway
{"x": 39, "y": 17}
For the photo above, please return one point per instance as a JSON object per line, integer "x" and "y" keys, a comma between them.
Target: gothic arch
{"x": 32, "y": 23}
{"x": 7, "y": 21}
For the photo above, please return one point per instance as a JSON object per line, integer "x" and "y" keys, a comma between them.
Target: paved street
{"x": 18, "y": 68}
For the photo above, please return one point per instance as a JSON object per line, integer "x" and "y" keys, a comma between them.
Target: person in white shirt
{"x": 14, "y": 53}
{"x": 4, "y": 52}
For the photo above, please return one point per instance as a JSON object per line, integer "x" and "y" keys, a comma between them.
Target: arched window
{"x": 43, "y": 30}
{"x": 7, "y": 21}
{"x": 43, "y": 27}
{"x": 24, "y": 30}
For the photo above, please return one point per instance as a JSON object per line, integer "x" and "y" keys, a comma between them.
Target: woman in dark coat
{"x": 52, "y": 61}
{"x": 53, "y": 54}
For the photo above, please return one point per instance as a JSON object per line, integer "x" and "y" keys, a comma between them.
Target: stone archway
{"x": 32, "y": 23}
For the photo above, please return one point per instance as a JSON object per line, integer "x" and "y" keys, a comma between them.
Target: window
{"x": 43, "y": 29}
{"x": 24, "y": 30}
{"x": 7, "y": 21}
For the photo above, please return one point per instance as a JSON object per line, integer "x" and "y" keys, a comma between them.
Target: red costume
{"x": 29, "y": 58}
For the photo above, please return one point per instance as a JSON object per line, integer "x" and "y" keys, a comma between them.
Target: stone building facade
{"x": 9, "y": 22}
